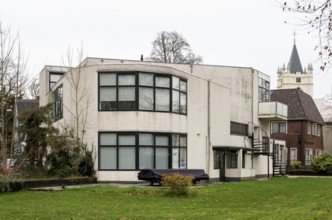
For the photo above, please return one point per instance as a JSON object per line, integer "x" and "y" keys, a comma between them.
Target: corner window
{"x": 54, "y": 77}
{"x": 58, "y": 103}
{"x": 263, "y": 88}
{"x": 135, "y": 151}
{"x": 278, "y": 128}
{"x": 143, "y": 92}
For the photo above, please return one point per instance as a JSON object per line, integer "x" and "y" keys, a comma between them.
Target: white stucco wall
{"x": 233, "y": 96}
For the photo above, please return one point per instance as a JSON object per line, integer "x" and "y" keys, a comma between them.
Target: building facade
{"x": 144, "y": 115}
{"x": 325, "y": 108}
{"x": 303, "y": 131}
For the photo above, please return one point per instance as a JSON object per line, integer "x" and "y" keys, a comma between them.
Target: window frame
{"x": 278, "y": 131}
{"x": 138, "y": 146}
{"x": 183, "y": 93}
{"x": 57, "y": 95}
{"x": 52, "y": 83}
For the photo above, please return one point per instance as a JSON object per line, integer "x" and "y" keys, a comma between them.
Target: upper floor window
{"x": 309, "y": 127}
{"x": 263, "y": 90}
{"x": 54, "y": 78}
{"x": 298, "y": 79}
{"x": 278, "y": 127}
{"x": 239, "y": 128}
{"x": 315, "y": 129}
{"x": 58, "y": 103}
{"x": 142, "y": 91}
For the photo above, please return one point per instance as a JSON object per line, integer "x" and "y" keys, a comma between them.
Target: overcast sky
{"x": 225, "y": 32}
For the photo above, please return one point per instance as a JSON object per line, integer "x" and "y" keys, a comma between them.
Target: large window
{"x": 136, "y": 151}
{"x": 263, "y": 88}
{"x": 54, "y": 78}
{"x": 142, "y": 91}
{"x": 278, "y": 127}
{"x": 58, "y": 103}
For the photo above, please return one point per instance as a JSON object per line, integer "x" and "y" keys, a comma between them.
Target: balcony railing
{"x": 272, "y": 110}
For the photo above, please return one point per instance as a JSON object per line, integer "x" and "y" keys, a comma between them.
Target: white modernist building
{"x": 144, "y": 115}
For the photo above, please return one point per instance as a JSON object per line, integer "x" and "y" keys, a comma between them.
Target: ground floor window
{"x": 232, "y": 159}
{"x": 293, "y": 155}
{"x": 308, "y": 156}
{"x": 140, "y": 150}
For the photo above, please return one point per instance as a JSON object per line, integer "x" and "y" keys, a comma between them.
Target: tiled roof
{"x": 24, "y": 104}
{"x": 301, "y": 106}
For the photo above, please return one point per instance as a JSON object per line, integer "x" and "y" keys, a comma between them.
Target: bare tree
{"x": 79, "y": 97}
{"x": 34, "y": 89}
{"x": 172, "y": 47}
{"x": 12, "y": 80}
{"x": 316, "y": 17}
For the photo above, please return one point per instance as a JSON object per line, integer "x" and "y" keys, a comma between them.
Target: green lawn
{"x": 277, "y": 198}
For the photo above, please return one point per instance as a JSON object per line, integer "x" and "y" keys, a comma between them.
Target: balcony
{"x": 272, "y": 111}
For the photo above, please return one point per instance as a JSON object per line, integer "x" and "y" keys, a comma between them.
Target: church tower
{"x": 294, "y": 76}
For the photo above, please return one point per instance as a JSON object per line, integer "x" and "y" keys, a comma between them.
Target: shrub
{"x": 297, "y": 164}
{"x": 4, "y": 184}
{"x": 322, "y": 163}
{"x": 86, "y": 166}
{"x": 179, "y": 184}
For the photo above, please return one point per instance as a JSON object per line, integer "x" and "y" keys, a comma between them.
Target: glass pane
{"x": 145, "y": 157}
{"x": 162, "y": 141}
{"x": 175, "y": 101}
{"x": 183, "y": 158}
{"x": 127, "y": 140}
{"x": 127, "y": 158}
{"x": 146, "y": 98}
{"x": 107, "y": 98}
{"x": 183, "y": 141}
{"x": 146, "y": 139}
{"x": 107, "y": 158}
{"x": 176, "y": 83}
{"x": 183, "y": 103}
{"x": 175, "y": 158}
{"x": 55, "y": 77}
{"x": 162, "y": 158}
{"x": 145, "y": 79}
{"x": 162, "y": 100}
{"x": 126, "y": 79}
{"x": 126, "y": 94}
{"x": 107, "y": 139}
{"x": 175, "y": 140}
{"x": 183, "y": 86}
{"x": 107, "y": 94}
{"x": 282, "y": 127}
{"x": 107, "y": 79}
{"x": 162, "y": 81}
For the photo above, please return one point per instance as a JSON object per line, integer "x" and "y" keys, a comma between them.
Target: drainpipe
{"x": 208, "y": 144}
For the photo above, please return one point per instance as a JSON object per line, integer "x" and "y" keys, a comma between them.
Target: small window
{"x": 309, "y": 127}
{"x": 298, "y": 79}
{"x": 54, "y": 78}
{"x": 278, "y": 128}
{"x": 239, "y": 128}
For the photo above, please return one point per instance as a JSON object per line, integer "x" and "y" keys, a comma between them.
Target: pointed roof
{"x": 301, "y": 106}
{"x": 294, "y": 64}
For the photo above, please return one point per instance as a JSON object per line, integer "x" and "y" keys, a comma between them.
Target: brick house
{"x": 303, "y": 129}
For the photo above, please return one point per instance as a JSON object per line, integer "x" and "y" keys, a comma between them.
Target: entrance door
{"x": 219, "y": 163}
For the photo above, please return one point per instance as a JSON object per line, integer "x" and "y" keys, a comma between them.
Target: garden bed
{"x": 25, "y": 184}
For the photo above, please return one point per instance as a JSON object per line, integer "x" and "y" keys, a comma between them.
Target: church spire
{"x": 294, "y": 64}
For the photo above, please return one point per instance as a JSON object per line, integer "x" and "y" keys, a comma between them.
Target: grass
{"x": 278, "y": 198}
